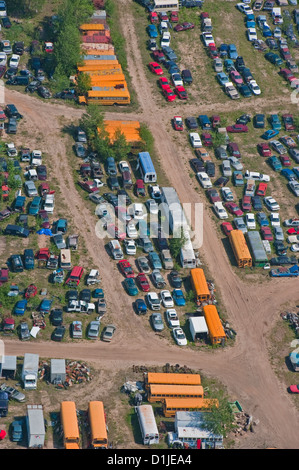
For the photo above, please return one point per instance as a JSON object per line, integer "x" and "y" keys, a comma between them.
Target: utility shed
{"x": 58, "y": 371}
{"x": 8, "y": 366}
{"x": 190, "y": 428}
{"x": 257, "y": 248}
{"x": 198, "y": 328}
{"x": 35, "y": 425}
{"x": 166, "y": 5}
{"x": 173, "y": 211}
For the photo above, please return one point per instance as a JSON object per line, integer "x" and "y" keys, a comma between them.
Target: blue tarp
{"x": 45, "y": 231}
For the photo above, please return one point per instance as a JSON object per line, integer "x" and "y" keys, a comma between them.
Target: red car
{"x": 227, "y": 227}
{"x": 294, "y": 388}
{"x": 215, "y": 121}
{"x": 233, "y": 149}
{"x": 213, "y": 195}
{"x": 181, "y": 92}
{"x": 246, "y": 203}
{"x": 264, "y": 150}
{"x": 2, "y": 115}
{"x": 115, "y": 232}
{"x": 233, "y": 208}
{"x": 213, "y": 51}
{"x": 126, "y": 268}
{"x": 49, "y": 47}
{"x": 261, "y": 189}
{"x": 158, "y": 56}
{"x": 288, "y": 122}
{"x": 155, "y": 68}
{"x": 236, "y": 77}
{"x": 174, "y": 17}
{"x": 89, "y": 186}
{"x": 237, "y": 128}
{"x": 288, "y": 75}
{"x": 168, "y": 93}
{"x": 184, "y": 26}
{"x": 163, "y": 81}
{"x": 267, "y": 234}
{"x": 285, "y": 160}
{"x": 163, "y": 16}
{"x": 154, "y": 17}
{"x": 207, "y": 139}
{"x": 293, "y": 231}
{"x": 178, "y": 123}
{"x": 140, "y": 188}
{"x": 143, "y": 282}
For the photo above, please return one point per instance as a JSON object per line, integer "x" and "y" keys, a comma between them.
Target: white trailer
{"x": 35, "y": 425}
{"x": 173, "y": 212}
{"x": 198, "y": 328}
{"x": 30, "y": 371}
{"x": 187, "y": 255}
{"x": 148, "y": 425}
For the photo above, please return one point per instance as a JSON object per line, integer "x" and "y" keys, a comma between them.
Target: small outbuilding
{"x": 57, "y": 371}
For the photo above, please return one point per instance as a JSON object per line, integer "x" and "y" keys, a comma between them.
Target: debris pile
{"x": 243, "y": 422}
{"x": 293, "y": 320}
{"x": 77, "y": 373}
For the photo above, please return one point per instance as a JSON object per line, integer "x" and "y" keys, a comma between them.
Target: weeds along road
{"x": 244, "y": 369}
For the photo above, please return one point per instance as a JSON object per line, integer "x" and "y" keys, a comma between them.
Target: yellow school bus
{"x": 97, "y": 422}
{"x": 69, "y": 421}
{"x": 107, "y": 95}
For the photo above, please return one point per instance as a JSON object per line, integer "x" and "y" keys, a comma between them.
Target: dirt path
{"x": 245, "y": 369}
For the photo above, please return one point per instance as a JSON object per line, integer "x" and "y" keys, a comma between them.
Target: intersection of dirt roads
{"x": 245, "y": 368}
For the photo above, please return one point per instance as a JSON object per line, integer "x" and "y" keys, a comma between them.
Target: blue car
{"x": 155, "y": 260}
{"x": 275, "y": 122}
{"x": 290, "y": 174}
{"x": 232, "y": 51}
{"x": 222, "y": 78}
{"x": 141, "y": 307}
{"x": 45, "y": 305}
{"x": 269, "y": 134}
{"x": 152, "y": 31}
{"x": 223, "y": 50}
{"x": 229, "y": 65}
{"x": 296, "y": 171}
{"x": 274, "y": 162}
{"x": 20, "y": 307}
{"x": 35, "y": 205}
{"x": 205, "y": 122}
{"x": 262, "y": 219}
{"x": 178, "y": 297}
{"x": 61, "y": 226}
{"x": 130, "y": 286}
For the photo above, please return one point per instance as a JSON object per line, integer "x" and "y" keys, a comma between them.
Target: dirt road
{"x": 245, "y": 369}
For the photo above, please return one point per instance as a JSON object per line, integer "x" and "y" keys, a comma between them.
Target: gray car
{"x": 108, "y": 332}
{"x": 158, "y": 279}
{"x": 30, "y": 188}
{"x": 278, "y": 234}
{"x": 294, "y": 154}
{"x": 157, "y": 322}
{"x": 93, "y": 329}
{"x": 145, "y": 244}
{"x": 221, "y": 153}
{"x": 143, "y": 265}
{"x": 12, "y": 393}
{"x": 240, "y": 224}
{"x": 80, "y": 150}
{"x": 59, "y": 241}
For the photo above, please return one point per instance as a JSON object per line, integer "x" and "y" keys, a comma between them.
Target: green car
{"x": 274, "y": 58}
{"x": 130, "y": 286}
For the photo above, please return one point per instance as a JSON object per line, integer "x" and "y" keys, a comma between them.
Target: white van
{"x": 65, "y": 258}
{"x": 226, "y": 168}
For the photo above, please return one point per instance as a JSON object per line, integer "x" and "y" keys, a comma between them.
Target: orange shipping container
{"x": 216, "y": 331}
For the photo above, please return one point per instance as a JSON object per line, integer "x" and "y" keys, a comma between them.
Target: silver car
{"x": 240, "y": 224}
{"x": 59, "y": 241}
{"x": 157, "y": 322}
{"x": 278, "y": 234}
{"x": 30, "y": 188}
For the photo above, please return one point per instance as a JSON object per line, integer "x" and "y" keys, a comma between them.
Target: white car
{"x": 172, "y": 318}
{"x": 235, "y": 163}
{"x": 256, "y": 176}
{"x": 251, "y": 34}
{"x": 177, "y": 79}
{"x": 294, "y": 186}
{"x": 275, "y": 219}
{"x": 277, "y": 33}
{"x": 3, "y": 58}
{"x": 123, "y": 166}
{"x": 254, "y": 87}
{"x": 220, "y": 211}
{"x": 14, "y": 61}
{"x": 165, "y": 41}
{"x": 244, "y": 8}
{"x": 278, "y": 147}
{"x": 130, "y": 247}
{"x": 166, "y": 299}
{"x": 271, "y": 203}
{"x": 250, "y": 221}
{"x": 132, "y": 230}
{"x": 207, "y": 39}
{"x": 36, "y": 157}
{"x": 227, "y": 194}
{"x": 195, "y": 139}
{"x": 152, "y": 206}
{"x": 153, "y": 301}
{"x": 179, "y": 336}
{"x": 204, "y": 180}
{"x": 295, "y": 247}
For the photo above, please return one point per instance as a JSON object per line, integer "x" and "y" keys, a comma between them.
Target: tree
{"x": 68, "y": 49}
{"x": 176, "y": 244}
{"x": 219, "y": 139}
{"x": 83, "y": 83}
{"x": 91, "y": 121}
{"x": 219, "y": 419}
{"x": 120, "y": 146}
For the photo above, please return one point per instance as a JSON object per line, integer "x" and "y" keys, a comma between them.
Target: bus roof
{"x": 97, "y": 420}
{"x": 213, "y": 321}
{"x": 131, "y": 130}
{"x": 176, "y": 389}
{"x": 169, "y": 378}
{"x": 199, "y": 282}
{"x": 103, "y": 65}
{"x": 190, "y": 402}
{"x": 69, "y": 419}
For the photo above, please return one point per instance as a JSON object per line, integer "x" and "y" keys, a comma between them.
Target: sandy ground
{"x": 252, "y": 308}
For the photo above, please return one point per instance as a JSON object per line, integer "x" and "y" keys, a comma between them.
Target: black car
{"x": 24, "y": 331}
{"x": 12, "y": 112}
{"x": 222, "y": 181}
{"x": 111, "y": 198}
{"x": 28, "y": 258}
{"x": 5, "y": 213}
{"x": 187, "y": 77}
{"x": 244, "y": 119}
{"x": 56, "y": 317}
{"x": 66, "y": 95}
{"x": 239, "y": 64}
{"x": 278, "y": 260}
{"x": 16, "y": 230}
{"x": 191, "y": 123}
{"x": 36, "y": 63}
{"x": 18, "y": 48}
{"x": 175, "y": 279}
{"x": 44, "y": 92}
{"x": 85, "y": 295}
{"x": 247, "y": 75}
{"x": 16, "y": 264}
{"x": 257, "y": 203}
{"x": 280, "y": 248}
{"x": 18, "y": 80}
{"x": 12, "y": 126}
{"x": 32, "y": 86}
{"x": 210, "y": 169}
{"x": 58, "y": 333}
{"x": 259, "y": 121}
{"x": 197, "y": 165}
{"x": 23, "y": 220}
{"x": 10, "y": 73}
{"x": 72, "y": 295}
{"x": 123, "y": 193}
{"x": 6, "y": 22}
